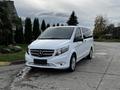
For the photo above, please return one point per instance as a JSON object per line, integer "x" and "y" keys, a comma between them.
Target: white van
{"x": 60, "y": 48}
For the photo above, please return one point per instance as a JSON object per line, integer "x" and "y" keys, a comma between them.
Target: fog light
{"x": 61, "y": 63}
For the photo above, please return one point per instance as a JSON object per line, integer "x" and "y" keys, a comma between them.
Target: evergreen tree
{"x": 58, "y": 24}
{"x": 73, "y": 19}
{"x": 48, "y": 25}
{"x": 43, "y": 25}
{"x": 36, "y": 29}
{"x": 19, "y": 36}
{"x": 28, "y": 30}
{"x": 6, "y": 32}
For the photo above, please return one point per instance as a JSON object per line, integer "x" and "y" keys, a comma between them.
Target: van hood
{"x": 48, "y": 44}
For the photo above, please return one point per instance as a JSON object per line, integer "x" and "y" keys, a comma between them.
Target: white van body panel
{"x": 62, "y": 61}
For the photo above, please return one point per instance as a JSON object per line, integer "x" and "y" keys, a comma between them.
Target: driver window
{"x": 78, "y": 35}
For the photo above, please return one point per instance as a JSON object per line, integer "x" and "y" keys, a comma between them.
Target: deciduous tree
{"x": 99, "y": 27}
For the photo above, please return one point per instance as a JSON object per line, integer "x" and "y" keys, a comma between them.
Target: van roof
{"x": 72, "y": 26}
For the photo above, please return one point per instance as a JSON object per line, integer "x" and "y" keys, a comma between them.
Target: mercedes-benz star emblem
{"x": 40, "y": 52}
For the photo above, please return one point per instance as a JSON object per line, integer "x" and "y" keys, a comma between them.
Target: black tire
{"x": 90, "y": 55}
{"x": 72, "y": 64}
{"x": 33, "y": 68}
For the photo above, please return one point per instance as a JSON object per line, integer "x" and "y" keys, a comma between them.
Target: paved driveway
{"x": 101, "y": 73}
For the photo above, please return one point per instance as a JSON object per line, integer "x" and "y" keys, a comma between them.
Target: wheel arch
{"x": 74, "y": 54}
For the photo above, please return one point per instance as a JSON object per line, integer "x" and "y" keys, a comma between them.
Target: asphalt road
{"x": 100, "y": 73}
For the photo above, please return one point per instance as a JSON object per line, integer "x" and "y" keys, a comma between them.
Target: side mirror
{"x": 81, "y": 39}
{"x": 77, "y": 39}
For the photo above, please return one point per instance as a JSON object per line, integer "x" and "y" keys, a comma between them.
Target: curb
{"x": 12, "y": 63}
{"x": 4, "y": 63}
{"x": 17, "y": 62}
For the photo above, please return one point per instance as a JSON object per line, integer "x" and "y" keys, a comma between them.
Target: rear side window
{"x": 87, "y": 33}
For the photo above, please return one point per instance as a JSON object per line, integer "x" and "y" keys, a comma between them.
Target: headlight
{"x": 61, "y": 50}
{"x": 27, "y": 50}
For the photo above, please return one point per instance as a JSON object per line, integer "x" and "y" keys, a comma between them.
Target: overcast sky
{"x": 86, "y": 10}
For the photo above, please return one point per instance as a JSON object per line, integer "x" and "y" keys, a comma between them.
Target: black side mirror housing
{"x": 78, "y": 39}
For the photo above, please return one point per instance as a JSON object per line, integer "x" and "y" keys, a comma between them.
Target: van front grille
{"x": 41, "y": 52}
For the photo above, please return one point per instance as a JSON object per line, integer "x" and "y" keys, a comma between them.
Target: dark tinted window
{"x": 57, "y": 33}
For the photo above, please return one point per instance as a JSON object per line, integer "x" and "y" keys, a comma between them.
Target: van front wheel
{"x": 72, "y": 64}
{"x": 90, "y": 56}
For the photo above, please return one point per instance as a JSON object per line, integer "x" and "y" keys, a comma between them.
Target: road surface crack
{"x": 104, "y": 73}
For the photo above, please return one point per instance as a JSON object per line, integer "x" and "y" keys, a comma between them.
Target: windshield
{"x": 57, "y": 33}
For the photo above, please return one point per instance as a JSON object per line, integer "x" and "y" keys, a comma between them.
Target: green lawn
{"x": 108, "y": 40}
{"x": 14, "y": 56}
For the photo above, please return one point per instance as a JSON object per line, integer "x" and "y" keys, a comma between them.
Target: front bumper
{"x": 55, "y": 62}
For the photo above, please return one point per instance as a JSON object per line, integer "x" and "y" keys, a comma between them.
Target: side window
{"x": 78, "y": 35}
{"x": 80, "y": 32}
{"x": 86, "y": 33}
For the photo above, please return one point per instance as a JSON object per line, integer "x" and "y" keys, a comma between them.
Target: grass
{"x": 107, "y": 40}
{"x": 14, "y": 56}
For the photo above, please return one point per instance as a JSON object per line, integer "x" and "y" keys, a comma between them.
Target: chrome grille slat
{"x": 41, "y": 52}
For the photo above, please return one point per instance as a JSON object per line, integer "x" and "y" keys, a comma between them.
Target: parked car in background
{"x": 60, "y": 48}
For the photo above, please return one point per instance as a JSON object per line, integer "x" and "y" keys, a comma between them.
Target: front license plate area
{"x": 40, "y": 61}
